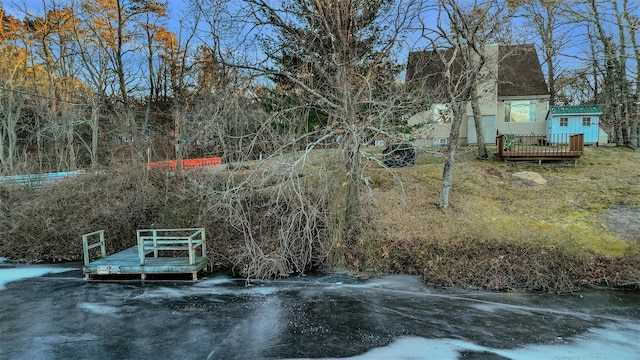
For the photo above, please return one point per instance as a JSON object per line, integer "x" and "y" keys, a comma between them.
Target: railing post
{"x": 204, "y": 243}
{"x": 85, "y": 249}
{"x": 103, "y": 247}
{"x": 192, "y": 253}
{"x": 140, "y": 247}
{"x": 155, "y": 242}
{"x": 571, "y": 143}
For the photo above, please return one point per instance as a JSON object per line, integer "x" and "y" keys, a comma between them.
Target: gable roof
{"x": 425, "y": 69}
{"x": 576, "y": 110}
{"x": 519, "y": 71}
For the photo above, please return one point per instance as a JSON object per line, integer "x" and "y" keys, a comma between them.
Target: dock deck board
{"x": 127, "y": 262}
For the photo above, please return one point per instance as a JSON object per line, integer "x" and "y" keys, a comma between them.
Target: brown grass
{"x": 498, "y": 234}
{"x": 502, "y": 234}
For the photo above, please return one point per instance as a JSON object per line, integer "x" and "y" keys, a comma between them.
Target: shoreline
{"x": 578, "y": 281}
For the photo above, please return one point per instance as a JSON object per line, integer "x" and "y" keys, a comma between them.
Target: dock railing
{"x": 86, "y": 245}
{"x": 156, "y": 240}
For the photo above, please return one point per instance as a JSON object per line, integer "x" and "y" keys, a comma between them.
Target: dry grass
{"x": 496, "y": 223}
{"x": 498, "y": 234}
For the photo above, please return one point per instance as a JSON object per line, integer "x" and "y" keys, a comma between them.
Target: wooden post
{"x": 192, "y": 252}
{"x": 141, "y": 247}
{"x": 204, "y": 244}
{"x": 155, "y": 242}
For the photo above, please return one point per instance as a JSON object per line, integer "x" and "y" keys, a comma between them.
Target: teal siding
{"x": 574, "y": 116}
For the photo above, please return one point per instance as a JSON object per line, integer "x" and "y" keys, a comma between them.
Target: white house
{"x": 514, "y": 97}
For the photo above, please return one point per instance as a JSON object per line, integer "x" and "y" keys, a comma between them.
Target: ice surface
{"x": 100, "y": 309}
{"x": 217, "y": 280}
{"x": 220, "y": 285}
{"x": 19, "y": 273}
{"x": 613, "y": 342}
{"x": 393, "y": 317}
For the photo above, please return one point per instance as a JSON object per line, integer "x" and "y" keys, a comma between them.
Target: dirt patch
{"x": 624, "y": 221}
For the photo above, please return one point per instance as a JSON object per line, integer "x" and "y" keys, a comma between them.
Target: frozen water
{"x": 100, "y": 309}
{"x": 222, "y": 285}
{"x": 25, "y": 272}
{"x": 330, "y": 316}
{"x": 611, "y": 342}
{"x": 217, "y": 280}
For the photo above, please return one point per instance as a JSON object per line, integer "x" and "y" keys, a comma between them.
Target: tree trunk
{"x": 178, "y": 141}
{"x": 633, "y": 133}
{"x": 9, "y": 137}
{"x": 95, "y": 113}
{"x": 352, "y": 211}
{"x": 458, "y": 110}
{"x": 477, "y": 118}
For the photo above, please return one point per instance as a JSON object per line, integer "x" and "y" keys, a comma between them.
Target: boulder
{"x": 530, "y": 178}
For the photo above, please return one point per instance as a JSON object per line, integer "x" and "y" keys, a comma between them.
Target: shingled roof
{"x": 425, "y": 69}
{"x": 519, "y": 71}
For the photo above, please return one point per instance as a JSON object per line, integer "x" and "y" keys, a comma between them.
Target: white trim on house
{"x": 525, "y": 97}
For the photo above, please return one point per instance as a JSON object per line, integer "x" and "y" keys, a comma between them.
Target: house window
{"x": 519, "y": 111}
{"x": 441, "y": 114}
{"x": 586, "y": 121}
{"x": 440, "y": 142}
{"x": 564, "y": 121}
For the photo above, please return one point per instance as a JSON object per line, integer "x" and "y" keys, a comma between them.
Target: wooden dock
{"x": 160, "y": 252}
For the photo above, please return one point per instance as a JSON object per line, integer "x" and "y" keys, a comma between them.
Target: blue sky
{"x": 17, "y": 7}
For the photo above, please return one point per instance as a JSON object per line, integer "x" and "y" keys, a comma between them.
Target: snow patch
{"x": 616, "y": 341}
{"x": 18, "y": 273}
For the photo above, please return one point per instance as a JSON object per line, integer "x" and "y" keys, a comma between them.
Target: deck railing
{"x": 86, "y": 245}
{"x": 544, "y": 146}
{"x": 156, "y": 240}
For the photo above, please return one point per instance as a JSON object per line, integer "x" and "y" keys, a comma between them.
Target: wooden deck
{"x": 149, "y": 257}
{"x": 540, "y": 147}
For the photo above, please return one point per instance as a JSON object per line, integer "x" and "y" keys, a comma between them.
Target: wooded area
{"x": 87, "y": 83}
{"x": 91, "y": 83}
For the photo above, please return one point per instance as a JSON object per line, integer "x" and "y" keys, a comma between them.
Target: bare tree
{"x": 312, "y": 90}
{"x": 632, "y": 26}
{"x": 458, "y": 41}
{"x": 331, "y": 53}
{"x": 609, "y": 27}
{"x": 554, "y": 28}
{"x": 13, "y": 81}
{"x": 153, "y": 14}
